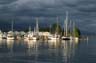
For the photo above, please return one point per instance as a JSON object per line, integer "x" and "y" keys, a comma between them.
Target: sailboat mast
{"x": 50, "y": 28}
{"x": 57, "y": 26}
{"x": 34, "y": 30}
{"x": 12, "y": 25}
{"x": 74, "y": 29}
{"x": 70, "y": 30}
{"x": 29, "y": 28}
{"x": 64, "y": 29}
{"x": 66, "y": 23}
{"x": 37, "y": 28}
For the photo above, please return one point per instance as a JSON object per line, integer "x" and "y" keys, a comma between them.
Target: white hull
{"x": 70, "y": 38}
{"x": 10, "y": 35}
{"x": 53, "y": 38}
{"x": 34, "y": 38}
{"x": 18, "y": 38}
{"x": 65, "y": 38}
{"x": 10, "y": 38}
{"x": 1, "y": 36}
{"x": 4, "y": 36}
{"x": 31, "y": 38}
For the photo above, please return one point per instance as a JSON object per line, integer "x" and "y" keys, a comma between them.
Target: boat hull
{"x": 66, "y": 38}
{"x": 10, "y": 38}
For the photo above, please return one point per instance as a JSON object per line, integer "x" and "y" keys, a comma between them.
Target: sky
{"x": 24, "y": 12}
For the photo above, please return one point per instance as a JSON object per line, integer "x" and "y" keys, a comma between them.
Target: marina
{"x": 47, "y": 31}
{"x": 69, "y": 32}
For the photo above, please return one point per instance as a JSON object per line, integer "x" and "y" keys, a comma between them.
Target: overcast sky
{"x": 23, "y": 12}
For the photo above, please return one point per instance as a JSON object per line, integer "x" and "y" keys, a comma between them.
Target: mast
{"x": 66, "y": 24}
{"x": 12, "y": 26}
{"x": 29, "y": 28}
{"x": 64, "y": 29}
{"x": 57, "y": 26}
{"x": 74, "y": 29}
{"x": 50, "y": 28}
{"x": 37, "y": 28}
{"x": 34, "y": 31}
{"x": 70, "y": 30}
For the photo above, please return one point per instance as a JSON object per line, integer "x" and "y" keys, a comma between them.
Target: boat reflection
{"x": 54, "y": 43}
{"x": 50, "y": 50}
{"x": 1, "y": 43}
{"x": 3, "y": 46}
{"x": 31, "y": 43}
{"x": 32, "y": 47}
{"x": 10, "y": 44}
{"x": 68, "y": 51}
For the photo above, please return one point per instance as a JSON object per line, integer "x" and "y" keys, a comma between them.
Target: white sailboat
{"x": 36, "y": 31}
{"x": 33, "y": 35}
{"x": 10, "y": 34}
{"x": 55, "y": 36}
{"x": 29, "y": 35}
{"x": 66, "y": 36}
{"x": 4, "y": 35}
{"x": 1, "y": 34}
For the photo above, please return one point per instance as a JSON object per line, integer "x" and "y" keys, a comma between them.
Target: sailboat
{"x": 33, "y": 35}
{"x": 4, "y": 35}
{"x": 10, "y": 34}
{"x": 55, "y": 36}
{"x": 74, "y": 37}
{"x": 1, "y": 34}
{"x": 36, "y": 31}
{"x": 66, "y": 36}
{"x": 30, "y": 34}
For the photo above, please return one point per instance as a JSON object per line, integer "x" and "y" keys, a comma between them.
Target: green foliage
{"x": 77, "y": 32}
{"x": 56, "y": 28}
{"x": 44, "y": 29}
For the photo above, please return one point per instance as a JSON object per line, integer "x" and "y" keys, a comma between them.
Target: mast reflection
{"x": 54, "y": 43}
{"x": 31, "y": 43}
{"x": 10, "y": 44}
{"x": 3, "y": 46}
{"x": 68, "y": 50}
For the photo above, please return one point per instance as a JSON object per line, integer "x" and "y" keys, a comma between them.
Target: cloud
{"x": 81, "y": 11}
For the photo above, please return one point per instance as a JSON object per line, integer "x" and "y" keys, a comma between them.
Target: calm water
{"x": 48, "y": 51}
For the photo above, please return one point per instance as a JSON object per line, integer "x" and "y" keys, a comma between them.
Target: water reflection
{"x": 9, "y": 44}
{"x": 39, "y": 51}
{"x": 31, "y": 43}
{"x": 3, "y": 46}
{"x": 54, "y": 44}
{"x": 68, "y": 50}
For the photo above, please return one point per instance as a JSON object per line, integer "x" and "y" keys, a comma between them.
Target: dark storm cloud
{"x": 83, "y": 12}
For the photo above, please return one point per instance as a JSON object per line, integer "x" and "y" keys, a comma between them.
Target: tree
{"x": 56, "y": 28}
{"x": 44, "y": 29}
{"x": 77, "y": 32}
